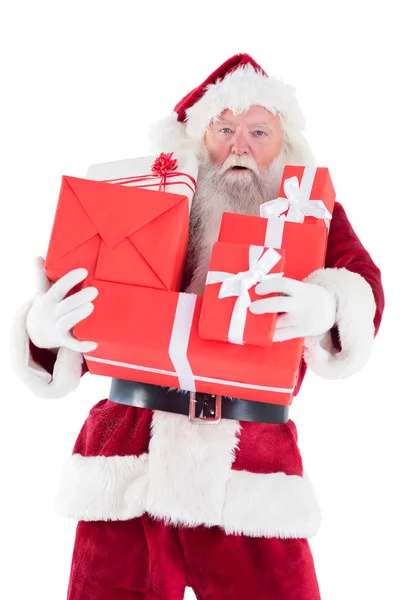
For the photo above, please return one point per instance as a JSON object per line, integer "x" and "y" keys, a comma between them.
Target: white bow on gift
{"x": 297, "y": 201}
{"x": 239, "y": 285}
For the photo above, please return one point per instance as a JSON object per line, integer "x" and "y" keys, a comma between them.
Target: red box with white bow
{"x": 296, "y": 223}
{"x": 292, "y": 221}
{"x": 234, "y": 271}
{"x": 152, "y": 336}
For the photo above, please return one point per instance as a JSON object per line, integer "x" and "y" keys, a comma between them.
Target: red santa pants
{"x": 145, "y": 559}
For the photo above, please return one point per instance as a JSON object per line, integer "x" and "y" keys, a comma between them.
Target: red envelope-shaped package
{"x": 152, "y": 336}
{"x": 121, "y": 234}
{"x": 234, "y": 271}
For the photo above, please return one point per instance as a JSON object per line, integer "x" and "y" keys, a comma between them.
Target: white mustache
{"x": 240, "y": 161}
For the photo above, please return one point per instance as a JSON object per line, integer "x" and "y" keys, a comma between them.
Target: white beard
{"x": 219, "y": 189}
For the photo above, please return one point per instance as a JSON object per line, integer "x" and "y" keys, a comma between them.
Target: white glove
{"x": 51, "y": 317}
{"x": 310, "y": 309}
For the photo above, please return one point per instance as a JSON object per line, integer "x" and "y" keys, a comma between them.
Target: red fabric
{"x": 43, "y": 357}
{"x": 268, "y": 448}
{"x": 146, "y": 559}
{"x": 113, "y": 429}
{"x": 46, "y": 358}
{"x": 237, "y": 61}
{"x": 345, "y": 251}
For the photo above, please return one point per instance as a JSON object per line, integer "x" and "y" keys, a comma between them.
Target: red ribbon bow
{"x": 162, "y": 166}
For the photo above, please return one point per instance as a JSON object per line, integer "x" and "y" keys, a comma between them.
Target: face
{"x": 255, "y": 134}
{"x": 240, "y": 167}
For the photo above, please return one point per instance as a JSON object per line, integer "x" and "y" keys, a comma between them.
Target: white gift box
{"x": 140, "y": 172}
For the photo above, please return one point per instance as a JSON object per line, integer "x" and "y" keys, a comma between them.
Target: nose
{"x": 240, "y": 145}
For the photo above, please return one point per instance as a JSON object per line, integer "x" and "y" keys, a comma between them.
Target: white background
{"x": 81, "y": 83}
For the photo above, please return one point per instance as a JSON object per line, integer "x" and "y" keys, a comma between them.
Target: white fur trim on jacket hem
{"x": 67, "y": 368}
{"x": 355, "y": 311}
{"x": 257, "y": 505}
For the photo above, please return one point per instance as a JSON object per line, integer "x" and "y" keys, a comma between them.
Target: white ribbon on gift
{"x": 239, "y": 284}
{"x": 298, "y": 205}
{"x": 178, "y": 352}
{"x": 183, "y": 378}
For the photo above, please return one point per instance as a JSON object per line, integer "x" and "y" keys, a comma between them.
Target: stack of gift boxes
{"x": 128, "y": 224}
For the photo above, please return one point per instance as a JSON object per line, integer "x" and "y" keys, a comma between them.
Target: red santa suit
{"x": 164, "y": 503}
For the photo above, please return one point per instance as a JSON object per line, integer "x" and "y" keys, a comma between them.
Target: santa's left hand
{"x": 309, "y": 309}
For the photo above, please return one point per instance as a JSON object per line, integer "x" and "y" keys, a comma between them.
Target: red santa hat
{"x": 237, "y": 84}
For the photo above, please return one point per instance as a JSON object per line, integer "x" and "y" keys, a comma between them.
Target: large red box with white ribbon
{"x": 152, "y": 336}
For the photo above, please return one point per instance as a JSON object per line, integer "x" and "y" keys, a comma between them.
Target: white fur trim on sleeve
{"x": 67, "y": 368}
{"x": 355, "y": 311}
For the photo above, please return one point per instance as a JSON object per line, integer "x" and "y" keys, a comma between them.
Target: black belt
{"x": 199, "y": 407}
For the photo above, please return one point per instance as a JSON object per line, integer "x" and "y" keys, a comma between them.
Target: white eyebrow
{"x": 259, "y": 125}
{"x": 225, "y": 121}
{"x": 216, "y": 120}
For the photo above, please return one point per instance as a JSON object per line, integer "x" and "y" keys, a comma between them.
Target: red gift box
{"x": 298, "y": 223}
{"x": 122, "y": 234}
{"x": 304, "y": 245}
{"x": 234, "y": 271}
{"x": 306, "y": 195}
{"x": 152, "y": 336}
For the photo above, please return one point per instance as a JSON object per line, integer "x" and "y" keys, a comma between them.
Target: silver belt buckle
{"x": 204, "y": 420}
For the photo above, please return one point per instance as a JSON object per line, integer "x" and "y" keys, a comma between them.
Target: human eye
{"x": 260, "y": 133}
{"x": 225, "y": 130}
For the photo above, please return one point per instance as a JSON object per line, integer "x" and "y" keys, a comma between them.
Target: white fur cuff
{"x": 355, "y": 311}
{"x": 67, "y": 368}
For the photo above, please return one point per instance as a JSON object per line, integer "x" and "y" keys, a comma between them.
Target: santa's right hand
{"x": 52, "y": 316}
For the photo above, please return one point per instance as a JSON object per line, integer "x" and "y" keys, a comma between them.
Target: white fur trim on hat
{"x": 67, "y": 368}
{"x": 169, "y": 135}
{"x": 240, "y": 90}
{"x": 355, "y": 311}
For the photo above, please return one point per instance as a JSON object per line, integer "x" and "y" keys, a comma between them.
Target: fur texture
{"x": 355, "y": 311}
{"x": 190, "y": 487}
{"x": 243, "y": 477}
{"x": 67, "y": 369}
{"x": 242, "y": 503}
{"x": 239, "y": 90}
{"x": 274, "y": 505}
{"x": 99, "y": 488}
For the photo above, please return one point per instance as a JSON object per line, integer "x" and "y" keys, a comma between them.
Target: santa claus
{"x": 164, "y": 502}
